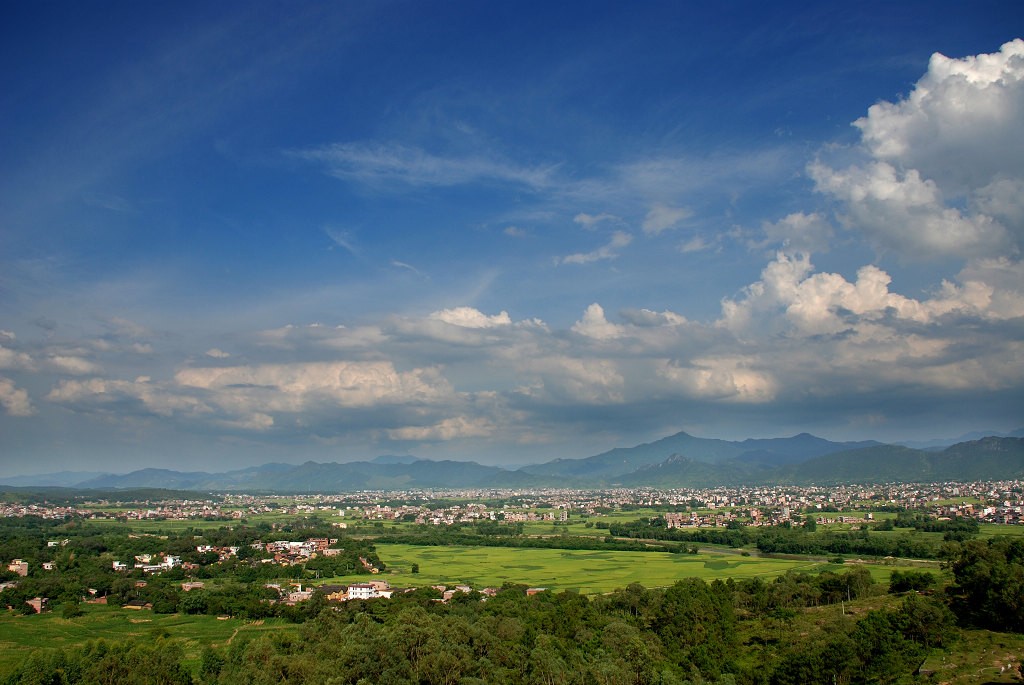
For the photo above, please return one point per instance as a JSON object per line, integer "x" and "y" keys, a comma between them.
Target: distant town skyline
{"x": 234, "y": 234}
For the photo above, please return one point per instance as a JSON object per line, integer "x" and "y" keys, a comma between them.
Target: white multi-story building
{"x": 362, "y": 591}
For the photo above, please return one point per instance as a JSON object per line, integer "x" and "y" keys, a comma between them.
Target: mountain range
{"x": 679, "y": 460}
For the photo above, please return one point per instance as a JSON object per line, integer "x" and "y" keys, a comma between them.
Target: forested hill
{"x": 985, "y": 459}
{"x": 678, "y": 461}
{"x": 620, "y": 461}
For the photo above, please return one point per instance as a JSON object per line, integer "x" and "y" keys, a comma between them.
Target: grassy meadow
{"x": 19, "y": 635}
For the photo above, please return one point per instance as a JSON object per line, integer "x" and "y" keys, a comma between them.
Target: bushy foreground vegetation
{"x": 794, "y": 629}
{"x": 828, "y": 627}
{"x": 687, "y": 632}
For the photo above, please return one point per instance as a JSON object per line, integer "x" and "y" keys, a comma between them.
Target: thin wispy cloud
{"x": 662, "y": 218}
{"x": 344, "y": 240}
{"x": 407, "y": 267}
{"x": 592, "y": 221}
{"x": 611, "y": 250}
{"x": 696, "y": 244}
{"x": 378, "y": 164}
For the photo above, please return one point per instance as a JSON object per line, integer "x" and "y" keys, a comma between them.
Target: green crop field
{"x": 587, "y": 571}
{"x": 19, "y": 635}
{"x": 157, "y": 527}
{"x": 990, "y": 529}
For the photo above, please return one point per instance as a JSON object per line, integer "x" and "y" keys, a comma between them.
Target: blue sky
{"x": 233, "y": 233}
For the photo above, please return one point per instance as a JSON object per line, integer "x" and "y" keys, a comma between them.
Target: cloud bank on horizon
{"x": 282, "y": 237}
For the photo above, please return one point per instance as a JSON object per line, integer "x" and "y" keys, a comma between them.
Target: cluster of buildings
{"x": 458, "y": 513}
{"x": 374, "y": 589}
{"x": 185, "y": 510}
{"x": 42, "y": 511}
{"x": 997, "y": 502}
{"x": 148, "y": 564}
{"x": 288, "y": 552}
{"x": 1000, "y": 502}
{"x": 223, "y": 553}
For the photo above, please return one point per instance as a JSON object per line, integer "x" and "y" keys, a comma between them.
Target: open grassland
{"x": 973, "y": 656}
{"x": 979, "y": 656}
{"x": 587, "y": 571}
{"x": 19, "y": 635}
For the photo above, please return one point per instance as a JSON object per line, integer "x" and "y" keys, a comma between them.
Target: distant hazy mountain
{"x": 624, "y": 460}
{"x": 395, "y": 459}
{"x": 150, "y": 478}
{"x": 883, "y": 463}
{"x": 966, "y": 437}
{"x": 680, "y": 460}
{"x": 326, "y": 477}
{"x": 987, "y": 459}
{"x": 61, "y": 479}
{"x": 616, "y": 463}
{"x": 799, "y": 448}
{"x": 683, "y": 472}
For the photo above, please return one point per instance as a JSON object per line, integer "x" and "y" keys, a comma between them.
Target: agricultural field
{"x": 585, "y": 571}
{"x": 157, "y": 527}
{"x": 177, "y": 526}
{"x": 986, "y": 530}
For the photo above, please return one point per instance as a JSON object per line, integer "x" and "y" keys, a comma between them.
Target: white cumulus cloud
{"x": 98, "y": 394}
{"x": 904, "y": 212}
{"x": 961, "y": 124}
{"x": 595, "y": 325}
{"x": 12, "y": 359}
{"x": 800, "y": 232}
{"x": 71, "y": 364}
{"x": 453, "y": 428}
{"x": 14, "y": 400}
{"x": 943, "y": 168}
{"x": 293, "y": 387}
{"x": 728, "y": 379}
{"x": 790, "y": 294}
{"x": 468, "y": 317}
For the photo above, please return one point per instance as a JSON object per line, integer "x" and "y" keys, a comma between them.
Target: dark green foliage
{"x": 684, "y": 633}
{"x": 907, "y": 581}
{"x": 798, "y": 590}
{"x": 71, "y": 610}
{"x": 989, "y": 584}
{"x": 123, "y": 663}
{"x": 783, "y": 540}
{"x": 883, "y": 647}
{"x": 211, "y": 664}
{"x": 695, "y": 620}
{"x": 434, "y": 536}
{"x": 826, "y": 661}
{"x": 956, "y": 529}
